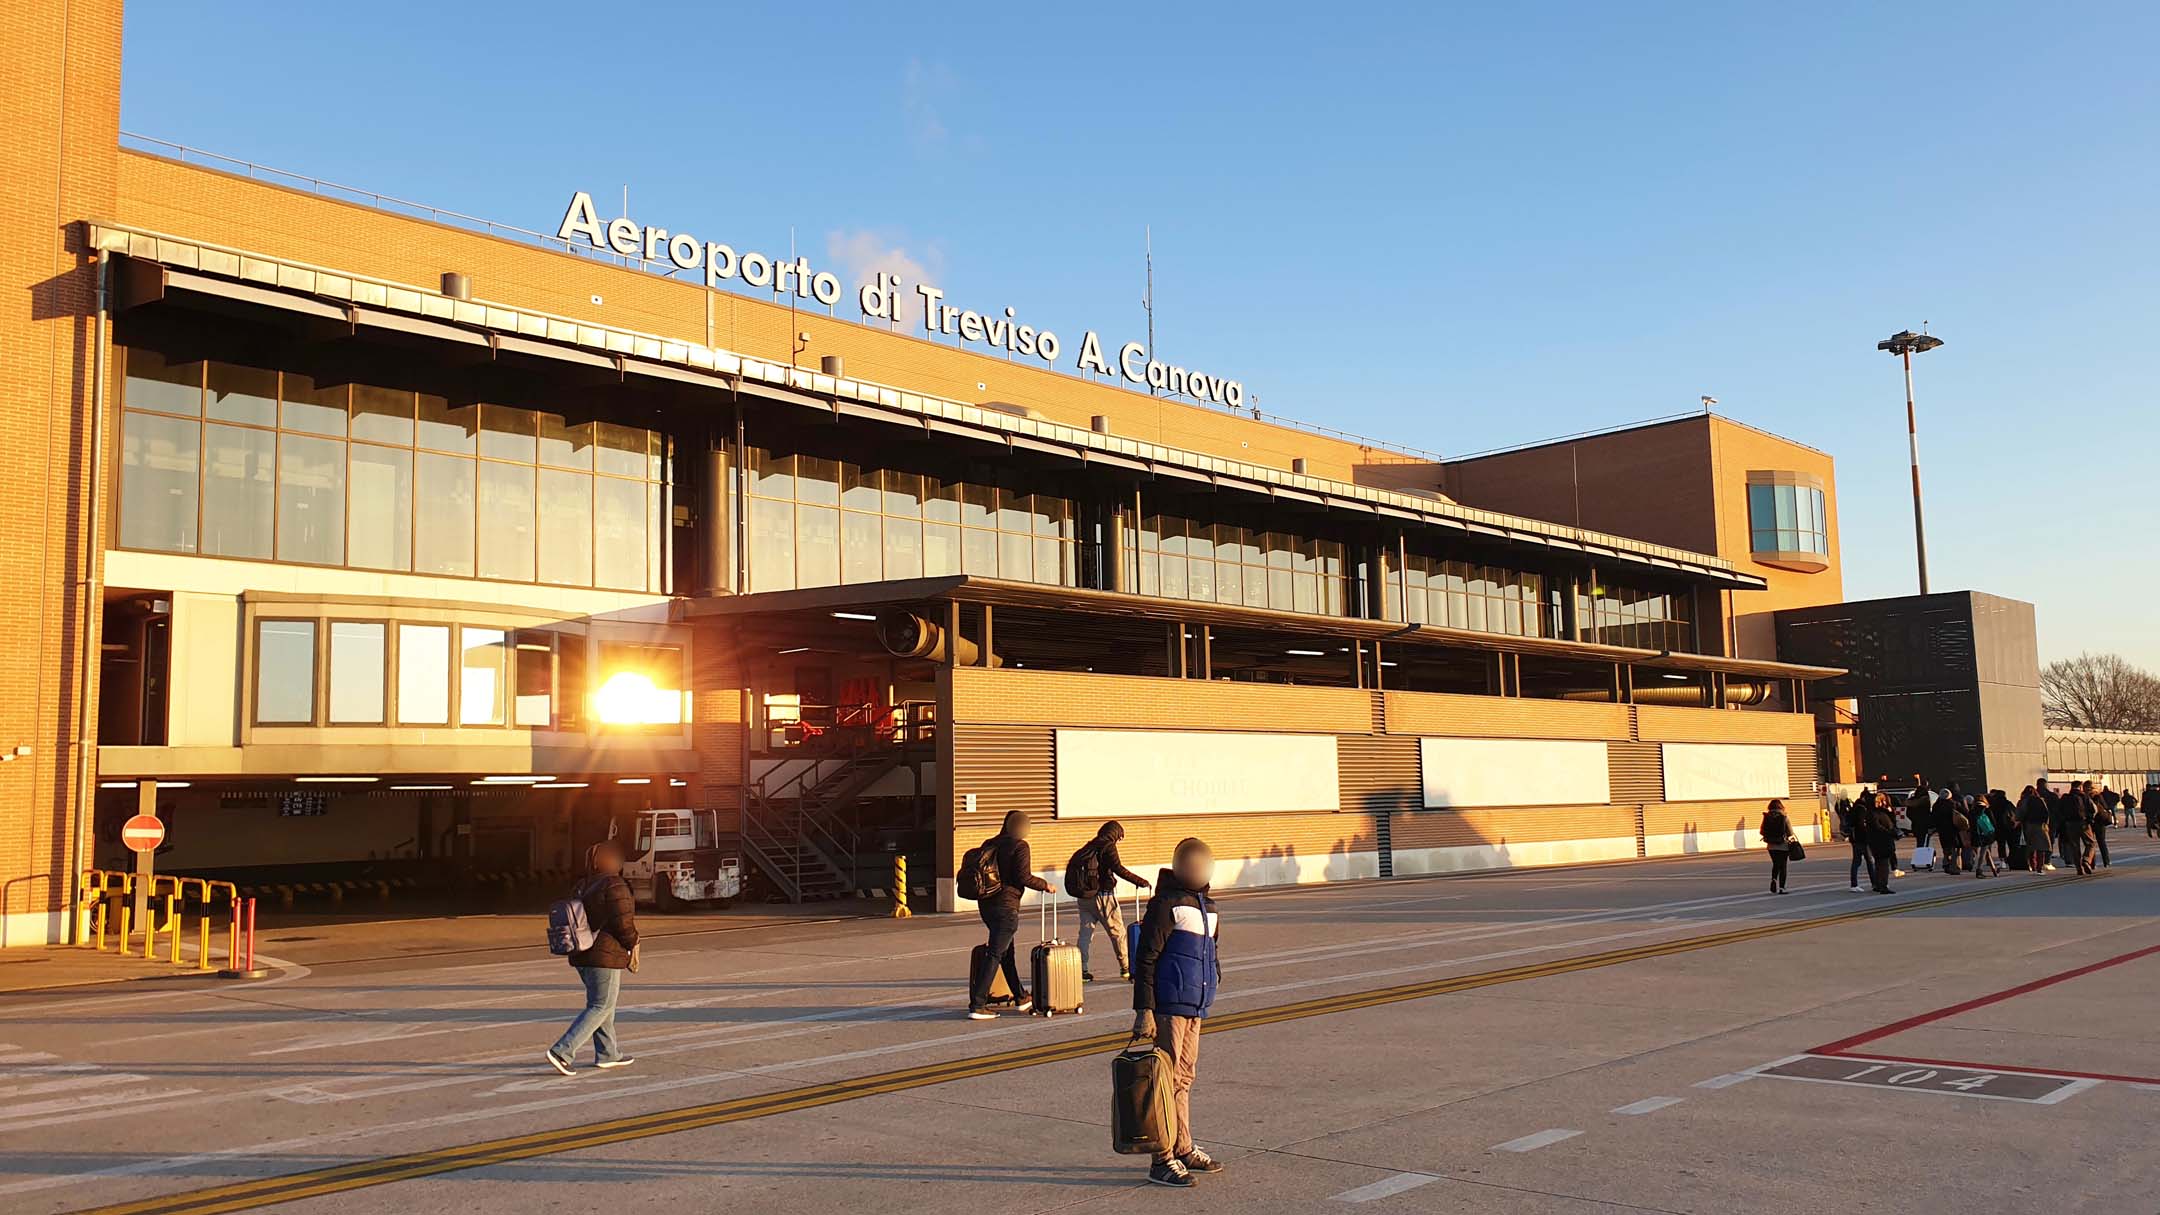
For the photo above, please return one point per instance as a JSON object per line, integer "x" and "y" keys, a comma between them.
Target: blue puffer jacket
{"x": 1178, "y": 965}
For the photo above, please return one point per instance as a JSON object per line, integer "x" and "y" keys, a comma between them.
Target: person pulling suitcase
{"x": 994, "y": 874}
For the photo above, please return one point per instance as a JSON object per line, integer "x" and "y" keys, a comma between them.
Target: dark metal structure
{"x": 1948, "y": 685}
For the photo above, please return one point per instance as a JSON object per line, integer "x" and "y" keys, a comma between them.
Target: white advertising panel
{"x": 1705, "y": 772}
{"x": 1133, "y": 773}
{"x": 1465, "y": 772}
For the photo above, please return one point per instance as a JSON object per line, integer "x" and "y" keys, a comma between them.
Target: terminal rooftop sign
{"x": 880, "y": 298}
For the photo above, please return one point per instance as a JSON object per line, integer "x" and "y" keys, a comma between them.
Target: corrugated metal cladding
{"x": 1803, "y": 770}
{"x": 1637, "y": 771}
{"x": 1379, "y": 774}
{"x": 1006, "y": 768}
{"x": 1531, "y": 824}
{"x": 1717, "y": 819}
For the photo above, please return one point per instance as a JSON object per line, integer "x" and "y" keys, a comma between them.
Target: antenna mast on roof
{"x": 1148, "y": 301}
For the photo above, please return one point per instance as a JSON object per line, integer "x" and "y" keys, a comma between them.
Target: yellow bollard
{"x": 899, "y": 893}
{"x": 202, "y": 940}
{"x": 172, "y": 927}
{"x": 125, "y": 912}
{"x": 232, "y": 942}
{"x": 98, "y": 914}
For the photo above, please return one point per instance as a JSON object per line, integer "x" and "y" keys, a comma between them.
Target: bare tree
{"x": 2099, "y": 692}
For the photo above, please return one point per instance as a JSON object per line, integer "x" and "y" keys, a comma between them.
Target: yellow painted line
{"x": 262, "y": 1192}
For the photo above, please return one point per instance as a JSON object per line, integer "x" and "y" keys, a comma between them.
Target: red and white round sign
{"x": 143, "y": 833}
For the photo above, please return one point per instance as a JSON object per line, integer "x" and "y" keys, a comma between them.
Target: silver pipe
{"x": 90, "y": 631}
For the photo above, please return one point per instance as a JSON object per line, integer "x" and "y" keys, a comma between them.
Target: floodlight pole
{"x": 1904, "y": 345}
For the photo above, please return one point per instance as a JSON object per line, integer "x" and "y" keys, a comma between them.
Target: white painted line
{"x": 2068, "y": 1091}
{"x": 1386, "y": 1187}
{"x": 1648, "y": 1105}
{"x": 1725, "y": 1081}
{"x": 1531, "y": 1143}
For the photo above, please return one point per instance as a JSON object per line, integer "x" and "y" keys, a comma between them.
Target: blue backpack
{"x": 569, "y": 930}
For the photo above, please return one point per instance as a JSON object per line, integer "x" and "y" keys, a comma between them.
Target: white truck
{"x": 675, "y": 858}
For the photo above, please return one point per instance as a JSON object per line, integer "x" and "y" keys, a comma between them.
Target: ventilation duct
{"x": 907, "y": 635}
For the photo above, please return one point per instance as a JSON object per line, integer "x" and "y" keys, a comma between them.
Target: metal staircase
{"x": 798, "y": 832}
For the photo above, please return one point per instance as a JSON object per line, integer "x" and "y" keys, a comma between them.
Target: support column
{"x": 145, "y": 862}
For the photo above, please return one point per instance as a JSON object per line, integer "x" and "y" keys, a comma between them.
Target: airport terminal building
{"x": 351, "y": 537}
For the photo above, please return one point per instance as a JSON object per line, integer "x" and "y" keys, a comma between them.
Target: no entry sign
{"x": 143, "y": 833}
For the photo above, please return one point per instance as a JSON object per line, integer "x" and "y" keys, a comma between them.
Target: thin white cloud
{"x": 862, "y": 254}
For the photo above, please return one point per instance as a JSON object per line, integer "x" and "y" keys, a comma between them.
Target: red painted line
{"x": 1962, "y": 1065}
{"x": 1845, "y": 1045}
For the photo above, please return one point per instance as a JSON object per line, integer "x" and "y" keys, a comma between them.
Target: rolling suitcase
{"x": 1143, "y": 1107}
{"x": 1054, "y": 967}
{"x": 1132, "y": 931}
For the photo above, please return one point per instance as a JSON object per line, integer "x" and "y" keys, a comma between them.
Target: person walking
{"x": 2152, "y": 810}
{"x": 1856, "y": 835}
{"x": 2129, "y": 808}
{"x": 1091, "y": 877}
{"x": 1008, "y": 855}
{"x": 2009, "y": 842}
{"x": 2109, "y": 800}
{"x": 611, "y": 913}
{"x": 2101, "y": 822}
{"x": 1980, "y": 853}
{"x": 2072, "y": 822}
{"x": 1920, "y": 812}
{"x": 1175, "y": 973}
{"x": 1952, "y": 828}
{"x": 1777, "y": 835}
{"x": 1882, "y": 844}
{"x": 2034, "y": 818}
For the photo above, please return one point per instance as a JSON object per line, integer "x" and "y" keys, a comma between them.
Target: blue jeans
{"x": 597, "y": 1020}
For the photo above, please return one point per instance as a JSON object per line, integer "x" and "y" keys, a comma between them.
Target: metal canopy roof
{"x": 965, "y": 588}
{"x": 193, "y": 267}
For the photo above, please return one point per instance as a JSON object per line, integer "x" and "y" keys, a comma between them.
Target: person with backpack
{"x": 1777, "y": 835}
{"x": 994, "y": 873}
{"x": 1091, "y": 878}
{"x": 1175, "y": 973}
{"x": 2102, "y": 819}
{"x": 1952, "y": 831}
{"x": 1856, "y": 835}
{"x": 1980, "y": 852}
{"x": 599, "y": 922}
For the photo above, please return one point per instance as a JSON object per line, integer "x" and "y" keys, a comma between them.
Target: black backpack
{"x": 1083, "y": 873}
{"x": 978, "y": 878}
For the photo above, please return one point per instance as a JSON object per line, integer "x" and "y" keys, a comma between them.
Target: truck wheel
{"x": 663, "y": 898}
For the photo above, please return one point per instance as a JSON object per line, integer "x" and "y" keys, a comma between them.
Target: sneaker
{"x": 1897, "y": 873}
{"x": 558, "y": 1063}
{"x": 625, "y": 1061}
{"x": 1124, "y": 976}
{"x": 981, "y": 1014}
{"x": 1086, "y": 977}
{"x": 1856, "y": 887}
{"x": 1023, "y": 1004}
{"x": 1198, "y": 1161}
{"x": 1170, "y": 1172}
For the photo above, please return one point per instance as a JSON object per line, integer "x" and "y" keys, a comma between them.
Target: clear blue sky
{"x": 1456, "y": 227}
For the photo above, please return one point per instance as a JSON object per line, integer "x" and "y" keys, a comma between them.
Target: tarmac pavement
{"x": 1661, "y": 1036}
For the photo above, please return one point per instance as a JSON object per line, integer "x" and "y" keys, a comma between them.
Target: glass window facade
{"x": 234, "y": 461}
{"x": 1481, "y": 598}
{"x": 1787, "y": 519}
{"x": 423, "y": 675}
{"x": 817, "y": 522}
{"x": 356, "y": 672}
{"x": 1635, "y": 616}
{"x": 285, "y": 672}
{"x": 1181, "y": 558}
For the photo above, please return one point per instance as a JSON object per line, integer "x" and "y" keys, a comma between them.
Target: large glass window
{"x": 423, "y": 681}
{"x": 480, "y": 676}
{"x": 160, "y": 462}
{"x": 388, "y": 479}
{"x": 311, "y": 500}
{"x": 1477, "y": 597}
{"x": 380, "y": 533}
{"x": 285, "y": 672}
{"x": 1787, "y": 519}
{"x": 850, "y": 524}
{"x": 640, "y": 685}
{"x": 533, "y": 679}
{"x": 1636, "y": 616}
{"x": 356, "y": 672}
{"x": 1180, "y": 558}
{"x": 238, "y": 503}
